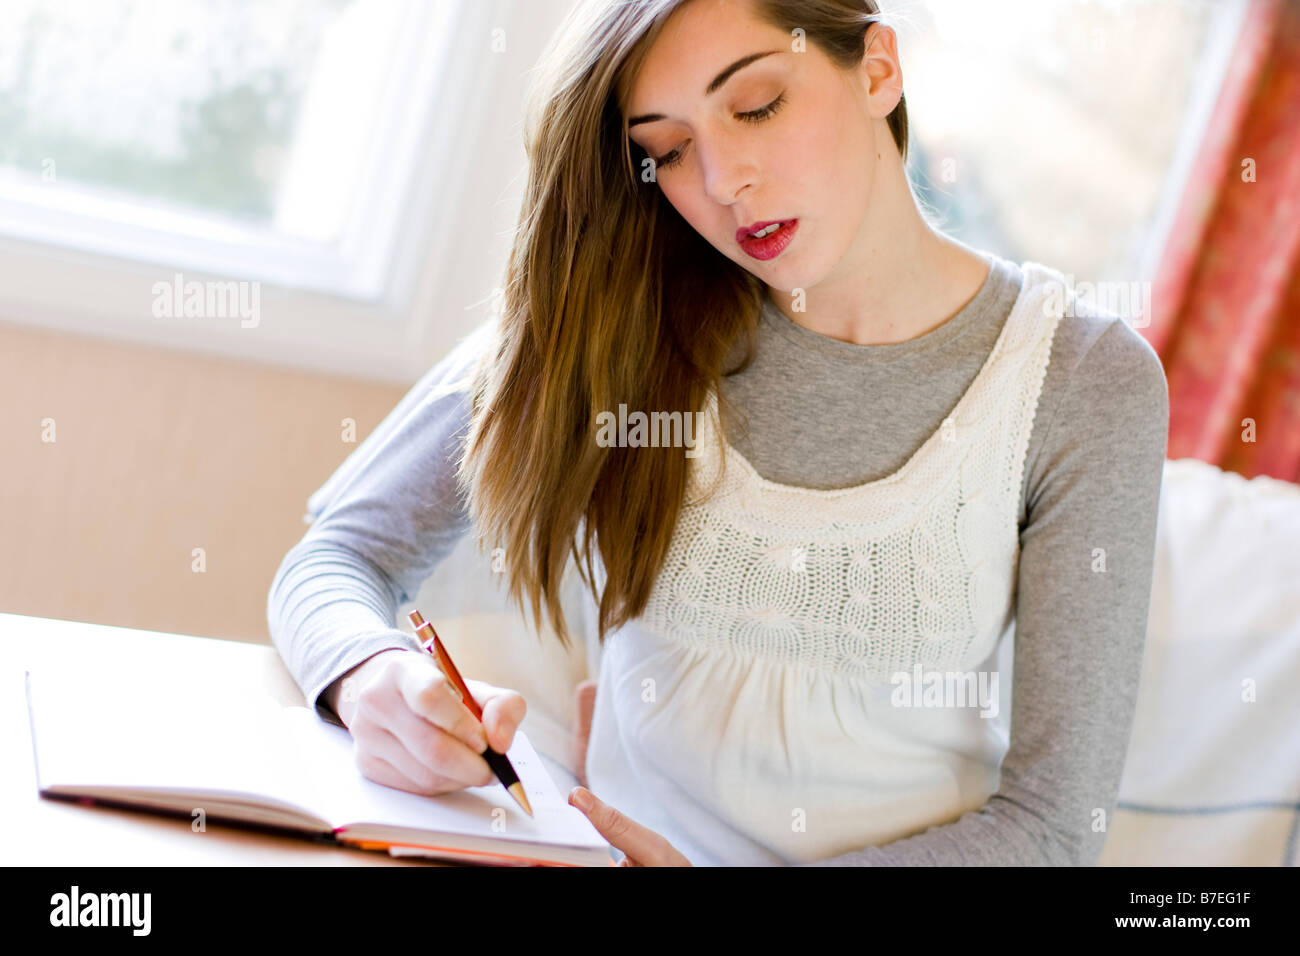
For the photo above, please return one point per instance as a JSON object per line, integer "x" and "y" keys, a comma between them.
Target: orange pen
{"x": 499, "y": 763}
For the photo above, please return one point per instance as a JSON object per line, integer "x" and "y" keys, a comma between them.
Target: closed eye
{"x": 673, "y": 158}
{"x": 757, "y": 116}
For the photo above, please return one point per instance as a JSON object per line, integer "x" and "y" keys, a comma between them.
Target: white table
{"x": 44, "y": 832}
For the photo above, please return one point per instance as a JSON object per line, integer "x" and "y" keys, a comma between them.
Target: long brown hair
{"x": 609, "y": 298}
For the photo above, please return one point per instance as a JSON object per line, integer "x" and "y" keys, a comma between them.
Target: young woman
{"x": 920, "y": 464}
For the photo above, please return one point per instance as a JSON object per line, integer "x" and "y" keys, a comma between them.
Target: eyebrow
{"x": 713, "y": 87}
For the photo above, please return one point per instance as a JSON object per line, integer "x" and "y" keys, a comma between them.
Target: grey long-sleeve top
{"x": 823, "y": 413}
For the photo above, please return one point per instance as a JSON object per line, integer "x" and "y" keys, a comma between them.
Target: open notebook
{"x": 247, "y": 759}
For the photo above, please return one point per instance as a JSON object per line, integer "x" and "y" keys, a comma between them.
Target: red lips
{"x": 745, "y": 231}
{"x": 770, "y": 246}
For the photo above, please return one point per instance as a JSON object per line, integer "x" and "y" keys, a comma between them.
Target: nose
{"x": 728, "y": 171}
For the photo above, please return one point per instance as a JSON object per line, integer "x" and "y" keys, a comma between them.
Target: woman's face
{"x": 786, "y": 136}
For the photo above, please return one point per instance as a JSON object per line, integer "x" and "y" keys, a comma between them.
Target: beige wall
{"x": 157, "y": 453}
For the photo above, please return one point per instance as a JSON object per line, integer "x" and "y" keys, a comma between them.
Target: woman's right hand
{"x": 410, "y": 730}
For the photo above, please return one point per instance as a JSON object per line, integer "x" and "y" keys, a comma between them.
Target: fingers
{"x": 503, "y": 712}
{"x": 376, "y": 768}
{"x": 411, "y": 727}
{"x": 433, "y": 757}
{"x": 426, "y": 754}
{"x": 639, "y": 843}
{"x": 428, "y": 693}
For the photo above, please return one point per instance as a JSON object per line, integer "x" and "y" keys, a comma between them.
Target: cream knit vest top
{"x": 918, "y": 567}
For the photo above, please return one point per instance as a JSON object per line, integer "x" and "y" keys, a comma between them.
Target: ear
{"x": 881, "y": 69}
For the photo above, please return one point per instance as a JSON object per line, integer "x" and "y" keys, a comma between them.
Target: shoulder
{"x": 1099, "y": 361}
{"x": 1108, "y": 365}
{"x": 1105, "y": 398}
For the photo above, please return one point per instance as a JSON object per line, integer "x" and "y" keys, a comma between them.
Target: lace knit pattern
{"x": 918, "y": 567}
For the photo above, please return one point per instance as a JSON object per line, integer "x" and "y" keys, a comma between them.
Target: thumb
{"x": 503, "y": 711}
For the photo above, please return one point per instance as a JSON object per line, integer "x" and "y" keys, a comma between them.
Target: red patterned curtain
{"x": 1226, "y": 300}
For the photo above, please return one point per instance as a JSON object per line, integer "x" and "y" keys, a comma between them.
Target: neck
{"x": 899, "y": 280}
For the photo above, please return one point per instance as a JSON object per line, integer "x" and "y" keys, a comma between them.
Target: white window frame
{"x": 373, "y": 313}
{"x": 1225, "y": 28}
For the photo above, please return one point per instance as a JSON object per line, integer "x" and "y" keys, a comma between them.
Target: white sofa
{"x": 1213, "y": 769}
{"x": 1213, "y": 772}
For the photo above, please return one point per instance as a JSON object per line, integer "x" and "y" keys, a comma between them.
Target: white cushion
{"x": 1212, "y": 776}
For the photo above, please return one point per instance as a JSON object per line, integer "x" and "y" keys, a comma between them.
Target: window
{"x": 272, "y": 140}
{"x": 319, "y": 147}
{"x": 1058, "y": 131}
{"x": 303, "y": 157}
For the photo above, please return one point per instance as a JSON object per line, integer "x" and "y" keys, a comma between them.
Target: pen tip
{"x": 517, "y": 791}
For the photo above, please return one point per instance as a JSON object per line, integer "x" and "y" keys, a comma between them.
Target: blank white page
{"x": 349, "y": 797}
